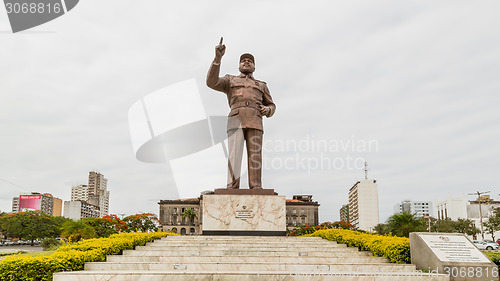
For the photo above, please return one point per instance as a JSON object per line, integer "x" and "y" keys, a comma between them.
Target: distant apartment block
{"x": 80, "y": 192}
{"x": 76, "y": 210}
{"x": 363, "y": 205}
{"x": 35, "y": 201}
{"x": 418, "y": 208}
{"x": 344, "y": 213}
{"x": 94, "y": 193}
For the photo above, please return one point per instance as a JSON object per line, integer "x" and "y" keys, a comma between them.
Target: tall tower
{"x": 95, "y": 192}
{"x": 98, "y": 193}
{"x": 363, "y": 203}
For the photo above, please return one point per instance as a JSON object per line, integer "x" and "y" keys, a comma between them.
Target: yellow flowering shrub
{"x": 494, "y": 257}
{"x": 71, "y": 257}
{"x": 397, "y": 249}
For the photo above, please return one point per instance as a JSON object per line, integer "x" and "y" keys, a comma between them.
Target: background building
{"x": 461, "y": 208}
{"x": 58, "y": 207}
{"x": 80, "y": 192}
{"x": 301, "y": 210}
{"x": 363, "y": 205}
{"x": 15, "y": 204}
{"x": 94, "y": 193}
{"x": 76, "y": 210}
{"x": 418, "y": 208}
{"x": 98, "y": 192}
{"x": 35, "y": 201}
{"x": 453, "y": 208}
{"x": 344, "y": 213}
{"x": 171, "y": 216}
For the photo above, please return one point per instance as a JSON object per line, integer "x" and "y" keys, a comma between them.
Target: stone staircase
{"x": 245, "y": 258}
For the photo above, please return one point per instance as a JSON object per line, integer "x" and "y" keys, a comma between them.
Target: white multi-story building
{"x": 453, "y": 208}
{"x": 76, "y": 210}
{"x": 95, "y": 193}
{"x": 461, "y": 208}
{"x": 363, "y": 205}
{"x": 419, "y": 208}
{"x": 80, "y": 192}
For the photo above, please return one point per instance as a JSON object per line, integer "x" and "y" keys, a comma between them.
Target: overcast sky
{"x": 417, "y": 80}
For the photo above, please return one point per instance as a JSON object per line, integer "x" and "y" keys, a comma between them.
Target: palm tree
{"x": 190, "y": 214}
{"x": 404, "y": 223}
{"x": 74, "y": 231}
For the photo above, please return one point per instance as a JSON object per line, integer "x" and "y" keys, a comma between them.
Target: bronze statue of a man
{"x": 249, "y": 100}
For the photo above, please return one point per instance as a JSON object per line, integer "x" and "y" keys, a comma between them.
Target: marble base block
{"x": 230, "y": 214}
{"x": 452, "y": 254}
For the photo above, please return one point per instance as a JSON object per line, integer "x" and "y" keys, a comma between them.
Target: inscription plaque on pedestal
{"x": 452, "y": 254}
{"x": 231, "y": 214}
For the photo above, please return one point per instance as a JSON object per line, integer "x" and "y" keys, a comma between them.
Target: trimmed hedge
{"x": 494, "y": 257}
{"x": 396, "y": 249}
{"x": 72, "y": 257}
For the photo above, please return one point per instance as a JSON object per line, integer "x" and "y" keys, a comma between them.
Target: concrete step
{"x": 333, "y": 248}
{"x": 247, "y": 266}
{"x": 240, "y": 276}
{"x": 246, "y": 243}
{"x": 240, "y": 238}
{"x": 248, "y": 252}
{"x": 217, "y": 258}
{"x": 225, "y": 259}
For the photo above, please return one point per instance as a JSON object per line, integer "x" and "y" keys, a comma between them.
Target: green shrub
{"x": 396, "y": 249}
{"x": 494, "y": 257}
{"x": 51, "y": 244}
{"x": 71, "y": 257}
{"x": 10, "y": 254}
{"x": 306, "y": 229}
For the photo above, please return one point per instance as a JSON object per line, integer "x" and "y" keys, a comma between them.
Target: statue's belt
{"x": 245, "y": 104}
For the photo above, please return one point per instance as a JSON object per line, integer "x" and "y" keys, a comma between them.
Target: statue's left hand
{"x": 264, "y": 110}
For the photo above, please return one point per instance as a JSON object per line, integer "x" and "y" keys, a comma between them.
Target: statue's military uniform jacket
{"x": 244, "y": 95}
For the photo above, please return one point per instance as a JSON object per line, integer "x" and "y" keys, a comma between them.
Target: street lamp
{"x": 426, "y": 216}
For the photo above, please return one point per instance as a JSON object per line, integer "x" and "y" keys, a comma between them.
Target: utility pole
{"x": 426, "y": 216}
{"x": 480, "y": 212}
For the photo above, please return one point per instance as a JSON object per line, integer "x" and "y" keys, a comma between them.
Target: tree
{"x": 190, "y": 214}
{"x": 493, "y": 223}
{"x": 144, "y": 222}
{"x": 74, "y": 231}
{"x": 404, "y": 223}
{"x": 29, "y": 225}
{"x": 446, "y": 225}
{"x": 381, "y": 229}
{"x": 106, "y": 225}
{"x": 466, "y": 226}
{"x": 2, "y": 229}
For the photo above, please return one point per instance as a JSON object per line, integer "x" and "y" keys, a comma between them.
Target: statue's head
{"x": 247, "y": 64}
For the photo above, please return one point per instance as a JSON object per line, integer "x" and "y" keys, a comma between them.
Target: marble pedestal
{"x": 244, "y": 213}
{"x": 452, "y": 254}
